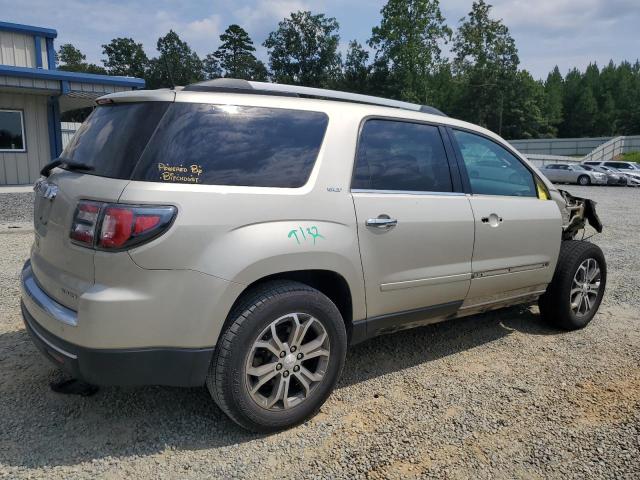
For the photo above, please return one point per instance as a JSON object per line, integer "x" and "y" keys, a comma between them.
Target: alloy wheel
{"x": 287, "y": 361}
{"x": 585, "y": 287}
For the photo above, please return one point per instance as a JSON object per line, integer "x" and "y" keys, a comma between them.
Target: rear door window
{"x": 112, "y": 138}
{"x": 233, "y": 145}
{"x": 401, "y": 156}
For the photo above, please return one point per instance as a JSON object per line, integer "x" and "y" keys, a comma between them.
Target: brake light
{"x": 117, "y": 227}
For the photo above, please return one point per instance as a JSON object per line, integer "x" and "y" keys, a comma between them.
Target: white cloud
{"x": 265, "y": 14}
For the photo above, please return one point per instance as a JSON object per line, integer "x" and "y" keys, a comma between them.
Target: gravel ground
{"x": 16, "y": 208}
{"x": 494, "y": 396}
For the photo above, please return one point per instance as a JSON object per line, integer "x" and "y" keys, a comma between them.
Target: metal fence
{"x": 543, "y": 151}
{"x": 559, "y": 146}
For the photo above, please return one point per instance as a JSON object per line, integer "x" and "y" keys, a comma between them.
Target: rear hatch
{"x": 97, "y": 165}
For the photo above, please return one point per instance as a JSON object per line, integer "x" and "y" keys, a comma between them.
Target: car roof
{"x": 277, "y": 99}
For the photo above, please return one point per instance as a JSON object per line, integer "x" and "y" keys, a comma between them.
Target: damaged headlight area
{"x": 580, "y": 211}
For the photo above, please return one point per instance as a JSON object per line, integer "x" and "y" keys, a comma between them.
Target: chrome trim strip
{"x": 407, "y": 192}
{"x": 386, "y": 287}
{"x": 504, "y": 299}
{"x": 54, "y": 347}
{"x": 505, "y": 271}
{"x": 41, "y": 299}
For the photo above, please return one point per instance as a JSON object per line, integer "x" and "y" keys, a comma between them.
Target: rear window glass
{"x": 233, "y": 145}
{"x": 113, "y": 137}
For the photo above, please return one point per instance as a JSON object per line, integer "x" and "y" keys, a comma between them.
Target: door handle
{"x": 383, "y": 221}
{"x": 492, "y": 220}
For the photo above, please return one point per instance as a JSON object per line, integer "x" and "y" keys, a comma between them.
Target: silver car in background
{"x": 630, "y": 169}
{"x": 614, "y": 177}
{"x": 563, "y": 173}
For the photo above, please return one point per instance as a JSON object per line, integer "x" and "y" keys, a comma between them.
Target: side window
{"x": 618, "y": 165}
{"x": 397, "y": 155}
{"x": 492, "y": 169}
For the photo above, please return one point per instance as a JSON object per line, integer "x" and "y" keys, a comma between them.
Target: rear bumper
{"x": 153, "y": 366}
{"x": 184, "y": 367}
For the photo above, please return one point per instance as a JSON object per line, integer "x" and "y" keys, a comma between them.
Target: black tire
{"x": 584, "y": 180}
{"x": 555, "y": 304}
{"x": 255, "y": 311}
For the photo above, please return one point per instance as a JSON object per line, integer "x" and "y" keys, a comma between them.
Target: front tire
{"x": 279, "y": 357}
{"x": 576, "y": 290}
{"x": 584, "y": 180}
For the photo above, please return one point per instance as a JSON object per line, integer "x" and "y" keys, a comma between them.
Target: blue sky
{"x": 547, "y": 32}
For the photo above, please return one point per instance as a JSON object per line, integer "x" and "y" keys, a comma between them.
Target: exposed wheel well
{"x": 332, "y": 284}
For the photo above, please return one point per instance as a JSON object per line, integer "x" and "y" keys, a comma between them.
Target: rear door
{"x": 109, "y": 144}
{"x": 517, "y": 226}
{"x": 415, "y": 225}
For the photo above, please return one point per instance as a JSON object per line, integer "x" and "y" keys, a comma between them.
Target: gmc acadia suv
{"x": 241, "y": 235}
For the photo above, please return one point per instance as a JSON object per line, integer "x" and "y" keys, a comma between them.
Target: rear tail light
{"x": 106, "y": 226}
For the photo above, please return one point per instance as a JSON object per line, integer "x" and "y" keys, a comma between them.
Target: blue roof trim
{"x": 71, "y": 76}
{"x": 20, "y": 28}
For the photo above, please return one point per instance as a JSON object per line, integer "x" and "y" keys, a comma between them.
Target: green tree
{"x": 524, "y": 115}
{"x": 408, "y": 41}
{"x": 211, "y": 67}
{"x": 177, "y": 64}
{"x": 355, "y": 74}
{"x": 71, "y": 59}
{"x": 303, "y": 50}
{"x": 125, "y": 57}
{"x": 553, "y": 92}
{"x": 236, "y": 57}
{"x": 486, "y": 62}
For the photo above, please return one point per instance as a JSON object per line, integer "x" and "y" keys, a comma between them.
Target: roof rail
{"x": 263, "y": 88}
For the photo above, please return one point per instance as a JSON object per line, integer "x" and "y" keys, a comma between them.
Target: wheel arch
{"x": 329, "y": 282}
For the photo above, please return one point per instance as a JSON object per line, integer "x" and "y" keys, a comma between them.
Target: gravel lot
{"x": 495, "y": 396}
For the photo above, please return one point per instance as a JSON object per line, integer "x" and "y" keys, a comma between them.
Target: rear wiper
{"x": 70, "y": 165}
{"x": 67, "y": 164}
{"x": 46, "y": 170}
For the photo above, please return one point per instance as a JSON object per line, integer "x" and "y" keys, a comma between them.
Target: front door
{"x": 518, "y": 228}
{"x": 415, "y": 232}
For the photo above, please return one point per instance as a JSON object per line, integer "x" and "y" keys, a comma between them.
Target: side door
{"x": 518, "y": 227}
{"x": 415, "y": 225}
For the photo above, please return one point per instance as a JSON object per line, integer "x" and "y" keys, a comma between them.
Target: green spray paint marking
{"x": 311, "y": 231}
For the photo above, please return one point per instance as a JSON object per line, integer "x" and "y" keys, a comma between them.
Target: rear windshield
{"x": 233, "y": 145}
{"x": 200, "y": 144}
{"x": 112, "y": 139}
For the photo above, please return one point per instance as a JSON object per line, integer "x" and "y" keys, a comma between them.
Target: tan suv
{"x": 241, "y": 235}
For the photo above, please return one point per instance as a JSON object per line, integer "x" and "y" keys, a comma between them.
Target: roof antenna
{"x": 166, "y": 65}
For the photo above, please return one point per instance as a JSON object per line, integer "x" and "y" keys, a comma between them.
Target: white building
{"x": 32, "y": 96}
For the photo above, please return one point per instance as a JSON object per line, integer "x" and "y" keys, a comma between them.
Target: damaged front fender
{"x": 578, "y": 211}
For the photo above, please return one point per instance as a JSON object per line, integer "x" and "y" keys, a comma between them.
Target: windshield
{"x": 110, "y": 142}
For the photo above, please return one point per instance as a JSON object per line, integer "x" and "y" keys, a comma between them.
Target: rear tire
{"x": 576, "y": 290}
{"x": 584, "y": 180}
{"x": 279, "y": 356}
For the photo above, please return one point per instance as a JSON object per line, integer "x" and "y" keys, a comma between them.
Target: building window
{"x": 11, "y": 131}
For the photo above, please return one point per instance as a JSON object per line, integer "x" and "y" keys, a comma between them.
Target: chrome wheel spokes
{"x": 585, "y": 287}
{"x": 287, "y": 361}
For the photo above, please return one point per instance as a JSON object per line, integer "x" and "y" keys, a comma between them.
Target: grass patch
{"x": 631, "y": 157}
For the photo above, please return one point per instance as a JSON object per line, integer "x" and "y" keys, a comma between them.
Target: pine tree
{"x": 235, "y": 55}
